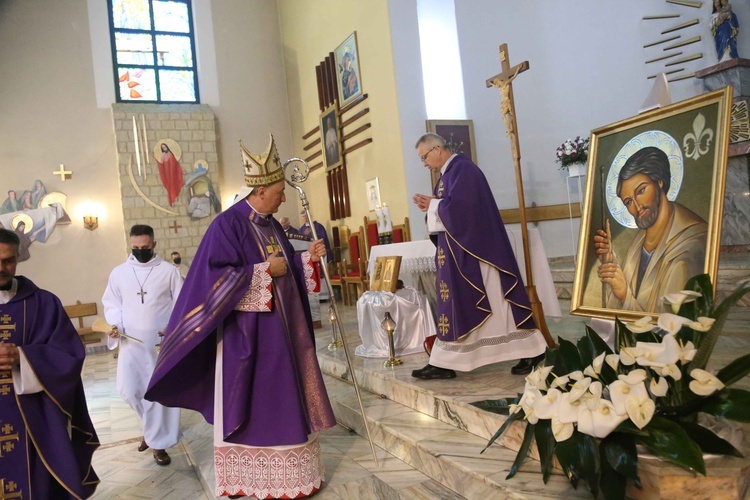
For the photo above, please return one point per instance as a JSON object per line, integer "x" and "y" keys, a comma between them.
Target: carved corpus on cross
{"x": 504, "y": 81}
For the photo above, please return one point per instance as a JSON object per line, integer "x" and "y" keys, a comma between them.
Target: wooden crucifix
{"x": 504, "y": 81}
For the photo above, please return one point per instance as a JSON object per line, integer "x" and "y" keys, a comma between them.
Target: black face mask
{"x": 177, "y": 260}
{"x": 143, "y": 255}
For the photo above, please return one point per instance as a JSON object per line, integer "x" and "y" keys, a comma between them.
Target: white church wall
{"x": 587, "y": 69}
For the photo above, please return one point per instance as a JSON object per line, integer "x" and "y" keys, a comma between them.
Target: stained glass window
{"x": 153, "y": 49}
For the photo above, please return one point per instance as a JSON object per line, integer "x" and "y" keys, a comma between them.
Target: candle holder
{"x": 335, "y": 341}
{"x": 390, "y": 326}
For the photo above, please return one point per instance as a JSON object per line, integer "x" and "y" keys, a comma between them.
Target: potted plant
{"x": 590, "y": 407}
{"x": 572, "y": 156}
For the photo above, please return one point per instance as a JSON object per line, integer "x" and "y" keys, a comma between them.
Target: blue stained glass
{"x": 174, "y": 50}
{"x": 171, "y": 16}
{"x": 131, "y": 14}
{"x": 137, "y": 84}
{"x": 177, "y": 85}
{"x": 134, "y": 49}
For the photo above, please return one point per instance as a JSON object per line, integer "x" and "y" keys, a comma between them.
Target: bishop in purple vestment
{"x": 239, "y": 346}
{"x": 483, "y": 310}
{"x": 46, "y": 436}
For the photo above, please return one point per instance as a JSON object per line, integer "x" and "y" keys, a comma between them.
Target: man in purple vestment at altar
{"x": 239, "y": 346}
{"x": 46, "y": 434}
{"x": 484, "y": 314}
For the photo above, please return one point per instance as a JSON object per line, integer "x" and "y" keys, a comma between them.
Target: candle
{"x": 379, "y": 218}
{"x": 387, "y": 223}
{"x": 137, "y": 149}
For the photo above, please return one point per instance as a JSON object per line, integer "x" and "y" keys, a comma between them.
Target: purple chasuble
{"x": 37, "y": 458}
{"x": 273, "y": 388}
{"x": 474, "y": 233}
{"x": 320, "y": 230}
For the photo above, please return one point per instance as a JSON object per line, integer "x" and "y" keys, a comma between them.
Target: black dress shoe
{"x": 525, "y": 366}
{"x": 430, "y": 372}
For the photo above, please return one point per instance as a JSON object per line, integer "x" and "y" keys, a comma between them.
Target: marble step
{"x": 445, "y": 453}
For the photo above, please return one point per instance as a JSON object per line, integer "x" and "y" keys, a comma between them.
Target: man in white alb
{"x": 139, "y": 298}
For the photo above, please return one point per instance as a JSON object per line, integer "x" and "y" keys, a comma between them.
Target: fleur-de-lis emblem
{"x": 697, "y": 143}
{"x": 444, "y": 293}
{"x": 443, "y": 324}
{"x": 440, "y": 257}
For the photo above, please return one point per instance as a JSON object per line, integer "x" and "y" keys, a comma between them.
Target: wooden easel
{"x": 504, "y": 81}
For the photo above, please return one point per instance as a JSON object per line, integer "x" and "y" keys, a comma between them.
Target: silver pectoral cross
{"x": 141, "y": 293}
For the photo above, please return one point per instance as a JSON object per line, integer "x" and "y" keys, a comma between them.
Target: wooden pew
{"x": 79, "y": 311}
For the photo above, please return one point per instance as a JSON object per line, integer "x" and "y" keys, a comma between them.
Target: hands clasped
{"x": 9, "y": 356}
{"x": 422, "y": 201}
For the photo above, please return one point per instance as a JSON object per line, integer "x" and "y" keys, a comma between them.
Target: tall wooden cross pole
{"x": 504, "y": 82}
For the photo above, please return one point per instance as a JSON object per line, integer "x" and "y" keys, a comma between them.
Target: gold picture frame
{"x": 666, "y": 168}
{"x": 459, "y": 134}
{"x": 385, "y": 274}
{"x": 330, "y": 137}
{"x": 348, "y": 71}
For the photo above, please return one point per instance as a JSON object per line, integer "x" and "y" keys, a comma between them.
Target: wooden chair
{"x": 402, "y": 232}
{"x": 370, "y": 233}
{"x": 357, "y": 271}
{"x": 336, "y": 273}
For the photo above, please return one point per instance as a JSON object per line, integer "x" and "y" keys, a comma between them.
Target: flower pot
{"x": 576, "y": 169}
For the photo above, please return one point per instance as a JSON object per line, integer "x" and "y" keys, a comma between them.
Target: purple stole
{"x": 474, "y": 233}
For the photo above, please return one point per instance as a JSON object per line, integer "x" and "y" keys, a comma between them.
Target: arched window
{"x": 153, "y": 49}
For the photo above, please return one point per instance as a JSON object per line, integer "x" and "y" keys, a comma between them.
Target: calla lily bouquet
{"x": 572, "y": 151}
{"x": 590, "y": 406}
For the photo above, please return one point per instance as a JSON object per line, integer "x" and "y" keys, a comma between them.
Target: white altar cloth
{"x": 419, "y": 257}
{"x": 408, "y": 308}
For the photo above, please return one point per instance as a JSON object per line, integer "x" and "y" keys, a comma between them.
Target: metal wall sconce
{"x": 90, "y": 222}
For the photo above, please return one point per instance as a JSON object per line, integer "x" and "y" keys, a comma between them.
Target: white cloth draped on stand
{"x": 411, "y": 312}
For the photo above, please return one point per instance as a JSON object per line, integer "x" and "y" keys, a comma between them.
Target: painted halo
{"x": 171, "y": 144}
{"x": 53, "y": 197}
{"x": 655, "y": 138}
{"x": 28, "y": 222}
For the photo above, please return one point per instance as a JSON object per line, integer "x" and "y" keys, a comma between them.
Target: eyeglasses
{"x": 424, "y": 156}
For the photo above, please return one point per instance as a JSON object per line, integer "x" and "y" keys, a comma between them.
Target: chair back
{"x": 371, "y": 233}
{"x": 402, "y": 232}
{"x": 354, "y": 252}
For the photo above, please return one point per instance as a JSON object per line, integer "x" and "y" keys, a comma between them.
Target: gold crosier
{"x": 296, "y": 171}
{"x": 504, "y": 82}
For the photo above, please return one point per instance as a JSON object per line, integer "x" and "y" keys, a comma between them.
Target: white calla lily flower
{"x": 671, "y": 323}
{"x": 704, "y": 383}
{"x": 576, "y": 375}
{"x": 687, "y": 352}
{"x": 538, "y": 378}
{"x": 659, "y": 388}
{"x": 568, "y": 411}
{"x": 561, "y": 431}
{"x": 529, "y": 398}
{"x": 640, "y": 410}
{"x": 620, "y": 391}
{"x": 671, "y": 370}
{"x": 598, "y": 362}
{"x": 601, "y": 421}
{"x": 547, "y": 405}
{"x": 613, "y": 360}
{"x": 560, "y": 382}
{"x": 702, "y": 324}
{"x": 642, "y": 325}
{"x": 628, "y": 355}
{"x": 682, "y": 297}
{"x": 579, "y": 388}
{"x": 634, "y": 376}
{"x": 658, "y": 354}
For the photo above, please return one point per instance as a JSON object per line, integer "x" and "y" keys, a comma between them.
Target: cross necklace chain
{"x": 142, "y": 293}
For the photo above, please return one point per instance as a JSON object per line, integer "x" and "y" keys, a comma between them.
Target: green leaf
{"x": 528, "y": 436}
{"x": 567, "y": 454}
{"x": 590, "y": 463}
{"x": 599, "y": 345}
{"x": 579, "y": 458}
{"x": 623, "y": 336}
{"x": 706, "y": 343}
{"x": 613, "y": 484}
{"x": 734, "y": 371}
{"x": 498, "y": 406}
{"x": 511, "y": 418}
{"x": 566, "y": 357}
{"x": 590, "y": 346}
{"x": 732, "y": 404}
{"x": 703, "y": 305}
{"x": 628, "y": 427}
{"x": 545, "y": 443}
{"x": 619, "y": 451}
{"x": 669, "y": 441}
{"x": 708, "y": 440}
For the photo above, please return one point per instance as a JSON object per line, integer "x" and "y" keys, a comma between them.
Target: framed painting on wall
{"x": 653, "y": 207}
{"x": 373, "y": 193}
{"x": 458, "y": 134}
{"x": 330, "y": 137}
{"x": 348, "y": 70}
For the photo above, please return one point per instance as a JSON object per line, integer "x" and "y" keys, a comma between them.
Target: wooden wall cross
{"x": 63, "y": 173}
{"x": 175, "y": 226}
{"x": 504, "y": 81}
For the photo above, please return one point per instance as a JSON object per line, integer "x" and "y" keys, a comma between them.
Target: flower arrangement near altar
{"x": 590, "y": 406}
{"x": 572, "y": 151}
